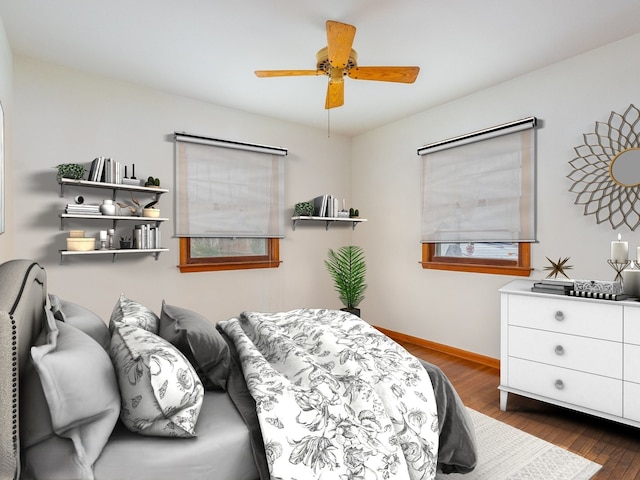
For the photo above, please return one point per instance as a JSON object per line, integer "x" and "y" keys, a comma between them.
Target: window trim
{"x": 210, "y": 264}
{"x": 521, "y": 267}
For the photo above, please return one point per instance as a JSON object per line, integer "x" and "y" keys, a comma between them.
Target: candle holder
{"x": 619, "y": 267}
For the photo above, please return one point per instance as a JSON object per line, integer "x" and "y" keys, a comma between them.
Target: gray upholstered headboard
{"x": 23, "y": 293}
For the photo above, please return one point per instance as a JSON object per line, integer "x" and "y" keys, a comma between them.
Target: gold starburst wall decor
{"x": 558, "y": 268}
{"x": 612, "y": 147}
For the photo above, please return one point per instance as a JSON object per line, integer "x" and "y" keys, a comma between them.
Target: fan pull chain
{"x": 328, "y": 123}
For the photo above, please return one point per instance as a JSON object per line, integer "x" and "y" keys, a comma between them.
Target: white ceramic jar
{"x": 108, "y": 207}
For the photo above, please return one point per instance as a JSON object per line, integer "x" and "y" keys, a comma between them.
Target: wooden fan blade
{"x": 335, "y": 95}
{"x": 287, "y": 73}
{"x": 385, "y": 74}
{"x": 339, "y": 41}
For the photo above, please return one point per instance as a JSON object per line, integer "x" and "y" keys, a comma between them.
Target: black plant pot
{"x": 354, "y": 311}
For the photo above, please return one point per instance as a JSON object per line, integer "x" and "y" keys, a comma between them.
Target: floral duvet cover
{"x": 335, "y": 398}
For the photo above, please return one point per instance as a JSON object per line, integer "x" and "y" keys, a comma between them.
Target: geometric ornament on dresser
{"x": 578, "y": 353}
{"x": 124, "y": 221}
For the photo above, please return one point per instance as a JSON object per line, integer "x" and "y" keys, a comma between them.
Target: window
{"x": 207, "y": 254}
{"x": 478, "y": 210}
{"x": 499, "y": 258}
{"x": 229, "y": 204}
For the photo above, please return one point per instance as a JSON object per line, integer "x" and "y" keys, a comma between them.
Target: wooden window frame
{"x": 211, "y": 264}
{"x": 520, "y": 267}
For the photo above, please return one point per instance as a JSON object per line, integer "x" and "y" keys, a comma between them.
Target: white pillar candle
{"x": 619, "y": 251}
{"x": 638, "y": 254}
{"x": 103, "y": 236}
{"x": 631, "y": 282}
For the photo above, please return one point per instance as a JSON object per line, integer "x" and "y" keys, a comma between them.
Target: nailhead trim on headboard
{"x": 14, "y": 386}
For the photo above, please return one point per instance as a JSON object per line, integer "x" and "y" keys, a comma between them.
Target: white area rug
{"x": 506, "y": 453}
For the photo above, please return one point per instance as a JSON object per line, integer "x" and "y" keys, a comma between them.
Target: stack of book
{"x": 106, "y": 170}
{"x": 326, "y": 206}
{"x": 553, "y": 285}
{"x": 82, "y": 209}
{"x": 146, "y": 236}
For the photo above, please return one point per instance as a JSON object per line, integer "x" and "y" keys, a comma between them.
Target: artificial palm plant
{"x": 347, "y": 267}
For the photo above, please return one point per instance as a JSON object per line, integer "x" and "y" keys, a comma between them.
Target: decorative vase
{"x": 108, "y": 208}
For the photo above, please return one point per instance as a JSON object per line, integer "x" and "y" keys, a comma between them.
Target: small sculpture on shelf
{"x": 127, "y": 210}
{"x": 558, "y": 268}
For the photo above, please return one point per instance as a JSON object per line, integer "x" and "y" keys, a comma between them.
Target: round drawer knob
{"x": 559, "y": 350}
{"x": 559, "y": 384}
{"x": 559, "y": 315}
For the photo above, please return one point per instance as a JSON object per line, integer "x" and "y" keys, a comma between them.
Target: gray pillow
{"x": 81, "y": 318}
{"x": 130, "y": 312}
{"x": 199, "y": 341}
{"x": 35, "y": 419}
{"x": 161, "y": 393}
{"x": 79, "y": 384}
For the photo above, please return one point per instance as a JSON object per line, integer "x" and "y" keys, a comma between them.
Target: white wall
{"x": 61, "y": 116}
{"x": 6, "y": 97}
{"x": 462, "y": 309}
{"x": 64, "y": 116}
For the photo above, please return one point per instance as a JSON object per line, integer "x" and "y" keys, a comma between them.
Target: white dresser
{"x": 578, "y": 353}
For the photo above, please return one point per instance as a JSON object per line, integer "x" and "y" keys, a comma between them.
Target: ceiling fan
{"x": 338, "y": 60}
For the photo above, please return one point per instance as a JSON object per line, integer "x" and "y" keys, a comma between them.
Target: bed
{"x": 296, "y": 394}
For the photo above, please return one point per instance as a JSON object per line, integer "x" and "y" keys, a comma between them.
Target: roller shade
{"x": 228, "y": 189}
{"x": 480, "y": 187}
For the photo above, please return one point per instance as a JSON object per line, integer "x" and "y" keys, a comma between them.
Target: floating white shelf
{"x": 328, "y": 220}
{"x": 126, "y": 251}
{"x": 114, "y": 219}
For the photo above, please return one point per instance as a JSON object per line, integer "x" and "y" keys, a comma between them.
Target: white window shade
{"x": 480, "y": 187}
{"x": 228, "y": 189}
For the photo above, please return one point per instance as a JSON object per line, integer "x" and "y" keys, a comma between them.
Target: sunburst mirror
{"x": 606, "y": 171}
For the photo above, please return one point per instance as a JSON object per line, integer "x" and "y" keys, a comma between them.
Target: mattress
{"x": 221, "y": 450}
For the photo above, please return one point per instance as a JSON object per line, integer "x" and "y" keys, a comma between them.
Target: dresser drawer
{"x": 631, "y": 408}
{"x": 575, "y": 316}
{"x": 632, "y": 363}
{"x": 632, "y": 325}
{"x": 585, "y": 354}
{"x": 577, "y": 388}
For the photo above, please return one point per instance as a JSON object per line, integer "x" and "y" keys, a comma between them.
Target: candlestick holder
{"x": 619, "y": 267}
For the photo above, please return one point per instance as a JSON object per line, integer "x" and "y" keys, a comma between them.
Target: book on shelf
{"x": 320, "y": 206}
{"x": 106, "y": 170}
{"x": 146, "y": 236}
{"x": 82, "y": 209}
{"x": 554, "y": 291}
{"x": 326, "y": 206}
{"x": 565, "y": 282}
{"x": 550, "y": 286}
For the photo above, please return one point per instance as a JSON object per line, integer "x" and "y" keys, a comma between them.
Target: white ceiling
{"x": 208, "y": 49}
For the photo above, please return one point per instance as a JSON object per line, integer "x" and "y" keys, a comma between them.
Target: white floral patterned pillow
{"x": 161, "y": 392}
{"x": 129, "y": 312}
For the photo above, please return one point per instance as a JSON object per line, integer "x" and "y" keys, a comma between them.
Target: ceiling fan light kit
{"x": 338, "y": 60}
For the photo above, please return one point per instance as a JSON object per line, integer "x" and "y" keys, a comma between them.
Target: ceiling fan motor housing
{"x": 323, "y": 63}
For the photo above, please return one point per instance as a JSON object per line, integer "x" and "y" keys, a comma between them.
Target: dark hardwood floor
{"x": 614, "y": 446}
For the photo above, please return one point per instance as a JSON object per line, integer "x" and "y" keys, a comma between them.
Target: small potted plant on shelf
{"x": 347, "y": 267}
{"x": 70, "y": 170}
